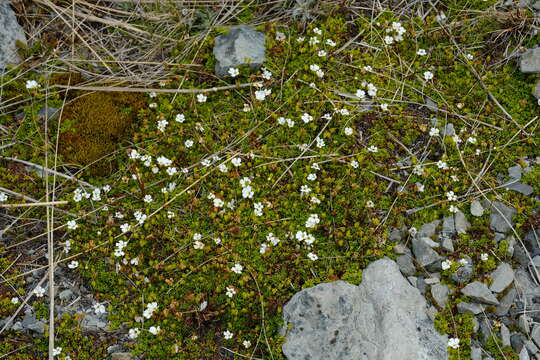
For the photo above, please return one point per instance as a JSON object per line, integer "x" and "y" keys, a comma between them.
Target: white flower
{"x": 317, "y": 31}
{"x": 180, "y": 118}
{"x": 469, "y": 56}
{"x": 412, "y": 231}
{"x": 451, "y": 196}
{"x": 163, "y": 161}
{"x": 274, "y": 240}
{"x": 312, "y": 177}
{"x": 32, "y": 84}
{"x": 315, "y": 166}
{"x": 442, "y": 164}
{"x": 134, "y": 333}
{"x": 162, "y": 124}
{"x": 147, "y": 198}
{"x": 56, "y": 351}
{"x": 440, "y": 17}
{"x": 290, "y": 123}
{"x": 434, "y": 131}
{"x": 421, "y": 52}
{"x": 258, "y": 209}
{"x": 453, "y": 343}
{"x": 71, "y": 225}
{"x": 428, "y": 75}
{"x": 201, "y": 98}
{"x": 246, "y": 343}
{"x": 454, "y": 178}
{"x": 206, "y": 162}
{"x": 472, "y": 140}
{"x": 234, "y": 72}
{"x": 300, "y": 39}
{"x": 152, "y": 105}
{"x": 67, "y": 246}
{"x": 312, "y": 221}
{"x": 172, "y": 170}
{"x": 73, "y": 264}
{"x": 348, "y": 131}
{"x": 197, "y": 236}
{"x": 321, "y": 53}
{"x": 3, "y": 197}
{"x": 99, "y": 309}
{"x": 230, "y": 291}
{"x": 372, "y": 89}
{"x": 218, "y": 203}
{"x": 281, "y": 120}
{"x": 237, "y": 268}
{"x": 223, "y": 168}
{"x": 367, "y": 68}
{"x": 227, "y": 334}
{"x": 236, "y": 161}
{"x": 154, "y": 330}
{"x": 463, "y": 261}
{"x": 354, "y": 164}
{"x": 312, "y": 256}
{"x": 373, "y": 149}
{"x": 388, "y": 40}
{"x": 384, "y": 107}
{"x": 188, "y": 143}
{"x": 263, "y": 248}
{"x": 314, "y": 200}
{"x": 456, "y": 139}
{"x": 198, "y": 245}
{"x": 266, "y": 74}
{"x": 152, "y": 94}
{"x": 306, "y": 118}
{"x": 330, "y": 42}
{"x": 314, "y": 67}
{"x": 446, "y": 264}
{"x": 96, "y": 194}
{"x": 420, "y": 187}
{"x": 360, "y": 94}
{"x": 39, "y": 291}
{"x": 319, "y": 142}
{"x": 453, "y": 209}
{"x": 418, "y": 170}
{"x": 484, "y": 257}
{"x": 14, "y": 300}
{"x": 247, "y": 192}
{"x": 134, "y": 261}
{"x": 304, "y": 190}
{"x": 280, "y": 36}
{"x": 150, "y": 308}
{"x": 370, "y": 204}
{"x": 262, "y": 94}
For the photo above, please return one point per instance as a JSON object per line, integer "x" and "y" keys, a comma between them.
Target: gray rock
{"x": 529, "y": 62}
{"x": 447, "y": 244}
{"x": 501, "y": 217}
{"x": 469, "y": 308}
{"x": 460, "y": 222}
{"x": 430, "y": 104}
{"x": 30, "y": 322}
{"x": 517, "y": 340}
{"x": 432, "y": 280}
{"x": 535, "y": 334}
{"x": 531, "y": 347}
{"x": 397, "y": 234}
{"x": 65, "y": 294}
{"x": 421, "y": 285}
{"x": 463, "y": 273}
{"x": 121, "y": 356}
{"x": 505, "y": 303}
{"x": 479, "y": 291}
{"x": 476, "y": 325}
{"x": 449, "y": 227}
{"x": 528, "y": 294}
{"x": 523, "y": 354}
{"x": 511, "y": 244}
{"x": 476, "y": 208}
{"x": 9, "y": 35}
{"x": 440, "y": 294}
{"x": 524, "y": 323}
{"x": 50, "y": 112}
{"x": 402, "y": 249}
{"x": 505, "y": 335}
{"x": 476, "y": 353}
{"x": 423, "y": 252}
{"x": 406, "y": 265}
{"x": 485, "y": 329}
{"x": 502, "y": 277}
{"x": 428, "y": 230}
{"x": 532, "y": 241}
{"x": 242, "y": 45}
{"x": 384, "y": 318}
{"x": 536, "y": 91}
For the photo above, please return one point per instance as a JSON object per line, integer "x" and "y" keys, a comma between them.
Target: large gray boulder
{"x": 10, "y": 32}
{"x": 242, "y": 45}
{"x": 529, "y": 62}
{"x": 384, "y": 318}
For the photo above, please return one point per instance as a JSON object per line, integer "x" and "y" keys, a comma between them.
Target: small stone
{"x": 501, "y": 217}
{"x": 406, "y": 265}
{"x": 432, "y": 280}
{"x": 476, "y": 353}
{"x": 517, "y": 340}
{"x": 423, "y": 252}
{"x": 535, "y": 334}
{"x": 430, "y": 104}
{"x": 460, "y": 222}
{"x": 529, "y": 62}
{"x": 502, "y": 277}
{"x": 242, "y": 45}
{"x": 396, "y": 235}
{"x": 421, "y": 285}
{"x": 511, "y": 243}
{"x": 432, "y": 312}
{"x": 536, "y": 91}
{"x": 524, "y": 323}
{"x": 523, "y": 354}
{"x": 447, "y": 244}
{"x": 476, "y": 325}
{"x": 449, "y": 227}
{"x": 65, "y": 294}
{"x": 412, "y": 280}
{"x": 485, "y": 329}
{"x": 463, "y": 273}
{"x": 531, "y": 346}
{"x": 401, "y": 249}
{"x": 10, "y": 34}
{"x": 428, "y": 230}
{"x": 476, "y": 208}
{"x": 469, "y": 308}
{"x": 121, "y": 356}
{"x": 505, "y": 335}
{"x": 440, "y": 294}
{"x": 479, "y": 291}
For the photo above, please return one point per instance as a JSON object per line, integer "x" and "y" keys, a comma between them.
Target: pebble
{"x": 440, "y": 294}
{"x": 479, "y": 291}
{"x": 502, "y": 277}
{"x": 476, "y": 208}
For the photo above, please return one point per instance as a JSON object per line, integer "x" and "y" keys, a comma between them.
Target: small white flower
{"x": 237, "y": 268}
{"x": 421, "y": 52}
{"x": 370, "y": 204}
{"x": 472, "y": 140}
{"x": 372, "y": 90}
{"x": 441, "y": 18}
{"x": 247, "y": 192}
{"x": 312, "y": 221}
{"x": 469, "y": 56}
{"x": 304, "y": 190}
{"x": 99, "y": 309}
{"x": 354, "y": 164}
{"x": 188, "y": 143}
{"x": 262, "y": 94}
{"x": 319, "y": 142}
{"x": 154, "y": 330}
{"x": 32, "y": 84}
{"x": 236, "y": 161}
{"x": 442, "y": 165}
{"x": 321, "y": 53}
{"x": 134, "y": 333}
{"x": 73, "y": 264}
{"x": 373, "y": 149}
{"x": 152, "y": 105}
{"x": 258, "y": 209}
{"x": 134, "y": 261}
{"x": 367, "y": 68}
{"x": 290, "y": 123}
{"x": 360, "y": 94}
{"x": 384, "y": 107}
{"x": 172, "y": 170}
{"x": 388, "y": 40}
{"x": 162, "y": 125}
{"x": 312, "y": 256}
{"x": 263, "y": 248}
{"x": 96, "y": 194}
{"x": 454, "y": 178}
{"x": 206, "y": 162}
{"x": 71, "y": 225}
{"x": 314, "y": 200}
{"x": 456, "y": 139}
{"x": 201, "y": 98}
{"x": 227, "y": 334}
{"x": 234, "y": 72}
{"x": 348, "y": 131}
{"x": 451, "y": 196}
{"x": 14, "y": 300}
{"x": 246, "y": 343}
{"x": 453, "y": 343}
{"x": 446, "y": 264}
{"x": 418, "y": 170}
{"x": 218, "y": 203}
{"x": 152, "y": 94}
{"x": 163, "y": 161}
{"x": 300, "y": 39}
{"x": 150, "y": 308}
{"x": 463, "y": 261}
{"x": 266, "y": 74}
{"x": 223, "y": 168}
{"x": 56, "y": 351}
{"x": 197, "y": 236}
{"x": 281, "y": 120}
{"x": 4, "y": 197}
{"x": 312, "y": 177}
{"x": 39, "y": 291}
{"x": 230, "y": 291}
{"x": 484, "y": 257}
{"x": 280, "y": 36}
{"x": 428, "y": 75}
{"x": 412, "y": 231}
{"x": 434, "y": 132}
{"x": 315, "y": 166}
{"x": 147, "y": 198}
{"x": 330, "y": 42}
{"x": 453, "y": 209}
{"x": 306, "y": 118}
{"x": 317, "y": 31}
{"x": 420, "y": 187}
{"x": 180, "y": 118}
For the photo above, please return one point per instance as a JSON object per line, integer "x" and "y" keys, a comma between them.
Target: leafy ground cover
{"x": 224, "y": 204}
